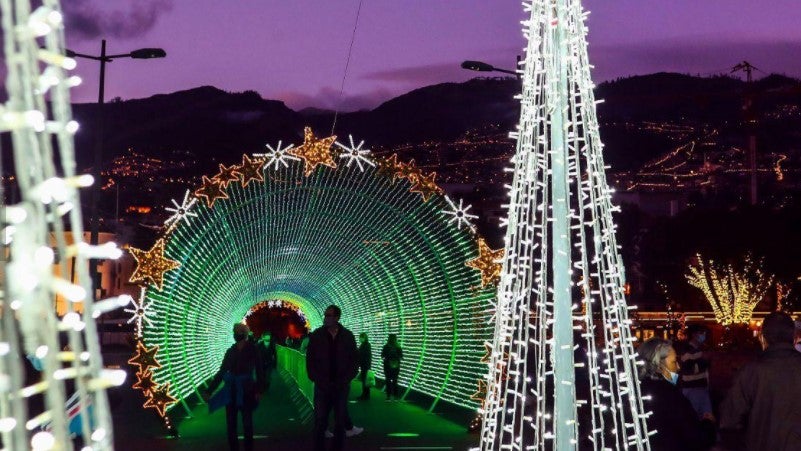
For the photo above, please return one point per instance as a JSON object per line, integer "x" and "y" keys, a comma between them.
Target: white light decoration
{"x": 277, "y": 155}
{"x": 140, "y": 312}
{"x": 459, "y": 214}
{"x": 562, "y": 369}
{"x": 355, "y": 153}
{"x": 37, "y": 231}
{"x": 182, "y": 211}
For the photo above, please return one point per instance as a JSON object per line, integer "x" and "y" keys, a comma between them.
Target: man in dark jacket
{"x": 331, "y": 363}
{"x": 242, "y": 391}
{"x": 764, "y": 403}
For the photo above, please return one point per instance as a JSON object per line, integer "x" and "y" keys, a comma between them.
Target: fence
{"x": 294, "y": 363}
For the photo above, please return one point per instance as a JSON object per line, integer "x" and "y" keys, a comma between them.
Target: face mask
{"x": 239, "y": 337}
{"x": 701, "y": 338}
{"x": 329, "y": 321}
{"x": 674, "y": 378}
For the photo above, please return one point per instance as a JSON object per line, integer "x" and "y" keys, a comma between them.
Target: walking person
{"x": 392, "y": 355}
{"x": 331, "y": 363}
{"x": 694, "y": 380}
{"x": 763, "y": 408}
{"x": 243, "y": 373}
{"x": 266, "y": 347}
{"x": 673, "y": 417}
{"x": 365, "y": 364}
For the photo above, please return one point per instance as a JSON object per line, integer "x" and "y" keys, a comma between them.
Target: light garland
{"x": 562, "y": 273}
{"x": 303, "y": 239}
{"x": 41, "y": 227}
{"x": 733, "y": 293}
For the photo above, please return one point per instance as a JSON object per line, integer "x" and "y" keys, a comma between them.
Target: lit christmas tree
{"x": 562, "y": 365}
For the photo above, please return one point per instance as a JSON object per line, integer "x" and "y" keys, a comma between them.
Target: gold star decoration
{"x": 408, "y": 171}
{"x": 425, "y": 185}
{"x": 226, "y": 175}
{"x": 480, "y": 396}
{"x": 249, "y": 171}
{"x": 314, "y": 151}
{"x": 144, "y": 381}
{"x": 486, "y": 263}
{"x": 212, "y": 190}
{"x": 159, "y": 399}
{"x": 388, "y": 166}
{"x": 487, "y": 353}
{"x": 151, "y": 265}
{"x": 145, "y": 358}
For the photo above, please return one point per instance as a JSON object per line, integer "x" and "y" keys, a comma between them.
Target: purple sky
{"x": 295, "y": 50}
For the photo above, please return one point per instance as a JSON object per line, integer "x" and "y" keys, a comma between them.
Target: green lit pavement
{"x": 283, "y": 422}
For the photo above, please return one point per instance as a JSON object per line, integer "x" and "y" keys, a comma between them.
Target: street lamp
{"x": 146, "y": 53}
{"x": 480, "y": 66}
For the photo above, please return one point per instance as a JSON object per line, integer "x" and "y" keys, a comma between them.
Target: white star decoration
{"x": 181, "y": 211}
{"x": 277, "y": 155}
{"x": 460, "y": 214}
{"x": 355, "y": 153}
{"x": 139, "y": 313}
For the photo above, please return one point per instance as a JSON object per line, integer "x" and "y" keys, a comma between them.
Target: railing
{"x": 294, "y": 363}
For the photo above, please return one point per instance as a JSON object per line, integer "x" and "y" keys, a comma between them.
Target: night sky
{"x": 295, "y": 50}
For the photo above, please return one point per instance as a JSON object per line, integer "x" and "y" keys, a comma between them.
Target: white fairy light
{"x": 459, "y": 214}
{"x": 140, "y": 312}
{"x": 277, "y": 155}
{"x": 355, "y": 153}
{"x": 181, "y": 211}
{"x": 562, "y": 271}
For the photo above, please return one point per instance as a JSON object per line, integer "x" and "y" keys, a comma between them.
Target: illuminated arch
{"x": 363, "y": 240}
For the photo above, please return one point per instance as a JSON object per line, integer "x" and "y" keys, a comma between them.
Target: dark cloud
{"x": 704, "y": 56}
{"x": 421, "y": 75}
{"x": 85, "y": 19}
{"x": 328, "y": 99}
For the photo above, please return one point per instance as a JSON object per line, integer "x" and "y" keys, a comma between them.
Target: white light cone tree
{"x": 563, "y": 373}
{"x": 43, "y": 244}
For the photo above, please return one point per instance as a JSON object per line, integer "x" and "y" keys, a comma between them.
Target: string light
{"x": 151, "y": 265}
{"x": 277, "y": 156}
{"x": 140, "y": 312}
{"x": 249, "y": 171}
{"x": 354, "y": 153}
{"x": 36, "y": 230}
{"x": 182, "y": 211}
{"x": 226, "y": 175}
{"x": 561, "y": 273}
{"x": 459, "y": 214}
{"x": 211, "y": 190}
{"x": 301, "y": 240}
{"x": 733, "y": 293}
{"x": 487, "y": 263}
{"x": 314, "y": 152}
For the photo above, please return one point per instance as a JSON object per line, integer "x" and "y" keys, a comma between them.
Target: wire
{"x": 347, "y": 63}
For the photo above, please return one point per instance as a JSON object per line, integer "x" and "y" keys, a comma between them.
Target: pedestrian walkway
{"x": 283, "y": 421}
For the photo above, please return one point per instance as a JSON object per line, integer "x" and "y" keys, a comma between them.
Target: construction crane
{"x": 750, "y": 118}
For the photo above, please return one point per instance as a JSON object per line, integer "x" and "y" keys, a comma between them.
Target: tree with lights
{"x": 732, "y": 290}
{"x": 562, "y": 369}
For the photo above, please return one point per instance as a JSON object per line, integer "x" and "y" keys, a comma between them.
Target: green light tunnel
{"x": 392, "y": 262}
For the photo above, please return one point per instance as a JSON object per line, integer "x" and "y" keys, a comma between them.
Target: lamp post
{"x": 480, "y": 66}
{"x": 146, "y": 53}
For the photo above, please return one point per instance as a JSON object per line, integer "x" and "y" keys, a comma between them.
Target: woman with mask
{"x": 672, "y": 416}
{"x": 243, "y": 373}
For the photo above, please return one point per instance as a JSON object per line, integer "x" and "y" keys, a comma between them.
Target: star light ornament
{"x": 314, "y": 151}
{"x": 459, "y": 214}
{"x": 355, "y": 153}
{"x": 140, "y": 313}
{"x": 151, "y": 265}
{"x": 181, "y": 212}
{"x": 277, "y": 155}
{"x": 563, "y": 372}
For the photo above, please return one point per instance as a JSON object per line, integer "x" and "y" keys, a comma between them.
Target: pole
{"x": 563, "y": 364}
{"x": 96, "y": 173}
